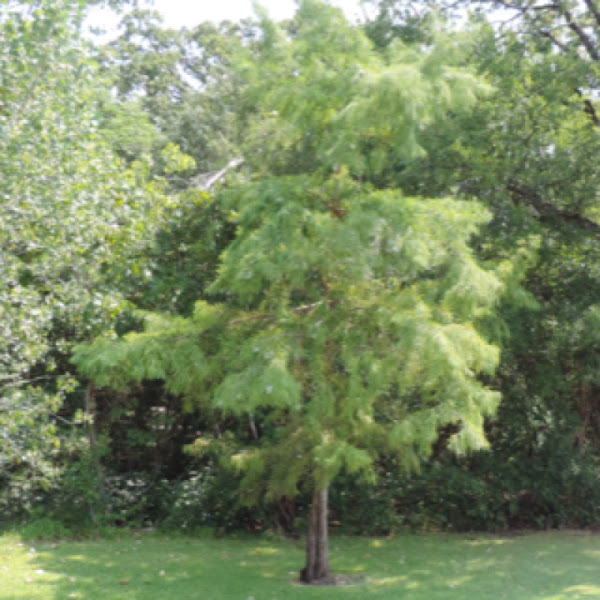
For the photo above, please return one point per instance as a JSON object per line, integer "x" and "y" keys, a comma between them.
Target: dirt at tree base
{"x": 334, "y": 580}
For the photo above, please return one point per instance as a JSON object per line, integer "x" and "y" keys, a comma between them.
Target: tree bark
{"x": 317, "y": 541}
{"x": 90, "y": 413}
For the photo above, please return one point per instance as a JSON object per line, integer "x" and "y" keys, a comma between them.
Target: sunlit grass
{"x": 544, "y": 566}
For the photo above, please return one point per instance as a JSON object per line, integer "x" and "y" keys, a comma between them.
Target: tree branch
{"x": 260, "y": 316}
{"x": 583, "y": 37}
{"x": 547, "y": 34}
{"x": 546, "y": 211}
{"x": 589, "y": 108}
{"x": 594, "y": 10}
{"x": 206, "y": 181}
{"x": 524, "y": 9}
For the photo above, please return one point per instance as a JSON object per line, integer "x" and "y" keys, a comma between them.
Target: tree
{"x": 73, "y": 222}
{"x": 529, "y": 152}
{"x": 183, "y": 81}
{"x": 350, "y": 317}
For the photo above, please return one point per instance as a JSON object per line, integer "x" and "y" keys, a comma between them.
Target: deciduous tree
{"x": 349, "y": 320}
{"x": 73, "y": 220}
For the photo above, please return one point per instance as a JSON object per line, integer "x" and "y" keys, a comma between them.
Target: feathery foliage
{"x": 349, "y": 321}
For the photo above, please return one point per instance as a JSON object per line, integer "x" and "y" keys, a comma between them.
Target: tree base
{"x": 333, "y": 580}
{"x": 317, "y": 543}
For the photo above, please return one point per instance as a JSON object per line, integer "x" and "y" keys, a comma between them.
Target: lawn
{"x": 543, "y": 566}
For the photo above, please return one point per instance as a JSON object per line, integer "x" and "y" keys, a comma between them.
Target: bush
{"x": 554, "y": 487}
{"x": 188, "y": 508}
{"x": 208, "y": 497}
{"x": 45, "y": 528}
{"x": 359, "y": 508}
{"x": 547, "y": 486}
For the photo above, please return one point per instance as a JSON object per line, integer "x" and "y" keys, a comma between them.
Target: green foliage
{"x": 189, "y": 508}
{"x": 128, "y": 130}
{"x": 45, "y": 528}
{"x": 355, "y": 108}
{"x": 358, "y": 508}
{"x": 350, "y": 318}
{"x": 208, "y": 498}
{"x": 77, "y": 496}
{"x": 183, "y": 83}
{"x": 335, "y": 300}
{"x": 529, "y": 153}
{"x": 541, "y": 488}
{"x": 183, "y": 258}
{"x": 74, "y": 222}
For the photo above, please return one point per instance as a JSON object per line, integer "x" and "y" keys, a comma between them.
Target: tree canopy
{"x": 74, "y": 220}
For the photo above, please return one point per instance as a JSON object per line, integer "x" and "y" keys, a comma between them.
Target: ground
{"x": 147, "y": 566}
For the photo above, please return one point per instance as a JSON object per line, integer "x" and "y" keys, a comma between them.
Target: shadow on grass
{"x": 552, "y": 566}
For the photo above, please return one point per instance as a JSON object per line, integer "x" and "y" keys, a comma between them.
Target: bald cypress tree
{"x": 349, "y": 314}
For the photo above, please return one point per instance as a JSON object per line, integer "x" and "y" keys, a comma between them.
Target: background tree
{"x": 74, "y": 222}
{"x": 183, "y": 82}
{"x": 528, "y": 152}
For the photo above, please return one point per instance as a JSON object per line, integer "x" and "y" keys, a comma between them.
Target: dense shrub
{"x": 549, "y": 485}
{"x": 549, "y": 489}
{"x": 360, "y": 508}
{"x": 44, "y": 528}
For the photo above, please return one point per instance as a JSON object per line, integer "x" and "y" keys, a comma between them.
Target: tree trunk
{"x": 94, "y": 501}
{"x": 90, "y": 414}
{"x": 317, "y": 544}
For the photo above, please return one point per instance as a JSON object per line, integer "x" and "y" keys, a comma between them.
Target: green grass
{"x": 544, "y": 566}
